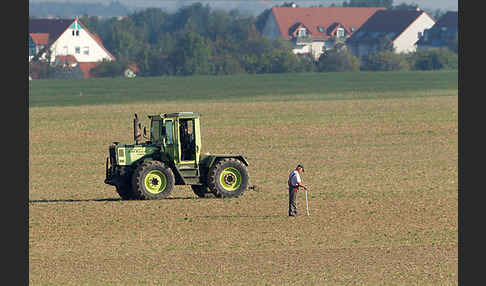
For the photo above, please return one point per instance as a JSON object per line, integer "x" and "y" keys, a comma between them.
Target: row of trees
{"x": 385, "y": 60}
{"x": 199, "y": 40}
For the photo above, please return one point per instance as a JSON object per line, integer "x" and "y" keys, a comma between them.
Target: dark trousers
{"x": 293, "y": 201}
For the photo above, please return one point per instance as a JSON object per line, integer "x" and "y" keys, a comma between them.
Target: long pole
{"x": 306, "y": 203}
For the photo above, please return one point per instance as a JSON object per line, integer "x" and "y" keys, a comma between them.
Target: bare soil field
{"x": 383, "y": 197}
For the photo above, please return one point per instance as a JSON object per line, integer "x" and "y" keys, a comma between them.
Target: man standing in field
{"x": 294, "y": 183}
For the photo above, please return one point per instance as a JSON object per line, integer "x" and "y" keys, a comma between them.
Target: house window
{"x": 340, "y": 32}
{"x": 77, "y": 50}
{"x": 86, "y": 51}
{"x": 302, "y": 32}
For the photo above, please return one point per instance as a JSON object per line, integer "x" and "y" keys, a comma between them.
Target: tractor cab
{"x": 179, "y": 136}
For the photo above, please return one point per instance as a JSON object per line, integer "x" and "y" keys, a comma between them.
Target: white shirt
{"x": 294, "y": 178}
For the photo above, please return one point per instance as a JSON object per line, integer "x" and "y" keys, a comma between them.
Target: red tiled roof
{"x": 133, "y": 67}
{"x": 41, "y": 39}
{"x": 314, "y": 17}
{"x": 97, "y": 39}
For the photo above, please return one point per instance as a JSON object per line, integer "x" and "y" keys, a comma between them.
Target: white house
{"x": 402, "y": 27}
{"x": 65, "y": 37}
{"x": 444, "y": 34}
{"x": 312, "y": 30}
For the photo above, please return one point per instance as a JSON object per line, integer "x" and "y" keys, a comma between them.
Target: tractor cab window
{"x": 155, "y": 131}
{"x": 187, "y": 139}
{"x": 169, "y": 138}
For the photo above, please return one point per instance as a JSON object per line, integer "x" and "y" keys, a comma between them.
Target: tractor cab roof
{"x": 177, "y": 115}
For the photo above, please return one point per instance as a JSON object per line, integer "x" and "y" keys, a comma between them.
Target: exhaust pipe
{"x": 137, "y": 129}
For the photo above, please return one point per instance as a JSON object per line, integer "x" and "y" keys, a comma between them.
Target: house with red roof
{"x": 313, "y": 30}
{"x": 58, "y": 41}
{"x": 402, "y": 27}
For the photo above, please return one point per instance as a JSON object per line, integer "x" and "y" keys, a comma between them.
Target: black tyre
{"x": 124, "y": 188}
{"x": 152, "y": 180}
{"x": 228, "y": 178}
{"x": 125, "y": 192}
{"x": 202, "y": 191}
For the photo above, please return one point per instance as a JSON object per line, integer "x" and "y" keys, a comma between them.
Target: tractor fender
{"x": 215, "y": 157}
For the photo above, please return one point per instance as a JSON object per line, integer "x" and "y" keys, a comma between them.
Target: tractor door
{"x": 170, "y": 147}
{"x": 189, "y": 141}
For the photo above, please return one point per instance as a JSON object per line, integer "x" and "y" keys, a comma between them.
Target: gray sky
{"x": 255, "y": 6}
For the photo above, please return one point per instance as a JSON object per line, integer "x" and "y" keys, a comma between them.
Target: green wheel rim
{"x": 155, "y": 181}
{"x": 230, "y": 179}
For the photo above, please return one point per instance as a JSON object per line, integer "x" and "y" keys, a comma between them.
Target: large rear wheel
{"x": 152, "y": 180}
{"x": 228, "y": 178}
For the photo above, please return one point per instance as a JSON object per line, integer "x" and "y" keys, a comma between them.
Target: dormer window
{"x": 340, "y": 32}
{"x": 302, "y": 32}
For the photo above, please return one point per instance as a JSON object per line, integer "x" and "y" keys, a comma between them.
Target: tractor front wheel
{"x": 125, "y": 191}
{"x": 152, "y": 180}
{"x": 228, "y": 178}
{"x": 124, "y": 187}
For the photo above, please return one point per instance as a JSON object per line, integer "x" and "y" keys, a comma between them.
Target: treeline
{"x": 71, "y": 10}
{"x": 198, "y": 40}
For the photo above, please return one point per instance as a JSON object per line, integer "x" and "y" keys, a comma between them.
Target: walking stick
{"x": 306, "y": 202}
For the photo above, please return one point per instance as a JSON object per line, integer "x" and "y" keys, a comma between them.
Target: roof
{"x": 318, "y": 19}
{"x": 184, "y": 114}
{"x": 40, "y": 39}
{"x": 448, "y": 20}
{"x": 386, "y": 22}
{"x": 53, "y": 27}
{"x": 133, "y": 67}
{"x": 445, "y": 29}
{"x": 98, "y": 40}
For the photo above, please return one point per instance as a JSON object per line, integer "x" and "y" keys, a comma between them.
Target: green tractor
{"x": 171, "y": 156}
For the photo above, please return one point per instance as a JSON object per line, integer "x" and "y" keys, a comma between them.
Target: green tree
{"x": 337, "y": 60}
{"x": 385, "y": 61}
{"x": 192, "y": 55}
{"x": 434, "y": 60}
{"x": 109, "y": 69}
{"x": 226, "y": 65}
{"x": 125, "y": 39}
{"x": 280, "y": 61}
{"x": 385, "y": 44}
{"x": 152, "y": 21}
{"x": 192, "y": 18}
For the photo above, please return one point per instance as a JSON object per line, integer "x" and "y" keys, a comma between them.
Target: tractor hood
{"x": 127, "y": 154}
